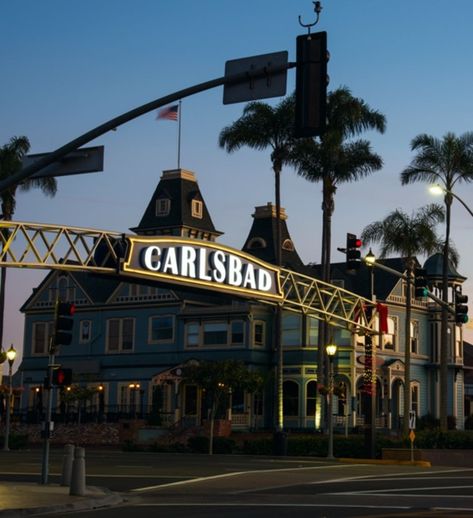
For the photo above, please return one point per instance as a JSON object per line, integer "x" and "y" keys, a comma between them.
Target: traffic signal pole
{"x": 49, "y": 408}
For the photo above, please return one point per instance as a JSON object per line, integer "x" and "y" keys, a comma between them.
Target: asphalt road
{"x": 230, "y": 486}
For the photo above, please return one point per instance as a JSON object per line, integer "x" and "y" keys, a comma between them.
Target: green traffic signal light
{"x": 461, "y": 308}
{"x": 420, "y": 283}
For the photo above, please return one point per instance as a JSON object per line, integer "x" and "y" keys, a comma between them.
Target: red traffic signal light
{"x": 64, "y": 322}
{"x": 353, "y": 252}
{"x": 62, "y": 377}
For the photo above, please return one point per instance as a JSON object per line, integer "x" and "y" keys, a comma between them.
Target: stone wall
{"x": 90, "y": 434}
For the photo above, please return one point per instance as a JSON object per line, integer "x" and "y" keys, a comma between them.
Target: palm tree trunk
{"x": 407, "y": 351}
{"x": 3, "y": 278}
{"x": 444, "y": 337}
{"x": 327, "y": 210}
{"x": 278, "y": 313}
{"x": 7, "y": 216}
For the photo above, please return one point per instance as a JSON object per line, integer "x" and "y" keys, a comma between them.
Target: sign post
{"x": 412, "y": 435}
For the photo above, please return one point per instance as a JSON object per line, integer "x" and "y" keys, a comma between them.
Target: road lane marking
{"x": 269, "y": 504}
{"x": 375, "y": 492}
{"x": 383, "y": 476}
{"x": 233, "y": 474}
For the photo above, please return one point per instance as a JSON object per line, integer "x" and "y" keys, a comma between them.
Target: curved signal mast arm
{"x": 112, "y": 124}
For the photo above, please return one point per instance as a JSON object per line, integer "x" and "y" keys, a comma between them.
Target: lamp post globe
{"x": 11, "y": 355}
{"x": 331, "y": 350}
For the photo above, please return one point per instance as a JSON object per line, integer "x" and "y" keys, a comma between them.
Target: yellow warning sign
{"x": 412, "y": 435}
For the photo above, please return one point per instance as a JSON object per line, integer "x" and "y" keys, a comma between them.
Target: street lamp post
{"x": 11, "y": 355}
{"x": 134, "y": 388}
{"x": 331, "y": 350}
{"x": 370, "y": 259}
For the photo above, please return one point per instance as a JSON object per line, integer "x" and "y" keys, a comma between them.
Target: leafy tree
{"x": 447, "y": 162}
{"x": 409, "y": 236}
{"x": 218, "y": 379}
{"x": 11, "y": 156}
{"x": 260, "y": 127}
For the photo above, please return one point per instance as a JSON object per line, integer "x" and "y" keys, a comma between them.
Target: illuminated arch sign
{"x": 202, "y": 264}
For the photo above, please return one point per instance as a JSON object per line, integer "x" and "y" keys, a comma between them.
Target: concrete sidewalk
{"x": 29, "y": 499}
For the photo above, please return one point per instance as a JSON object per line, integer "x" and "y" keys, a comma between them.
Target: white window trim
{"x": 212, "y": 346}
{"x": 163, "y": 206}
{"x": 186, "y": 335}
{"x": 197, "y": 209}
{"x": 255, "y": 323}
{"x": 150, "y": 329}
{"x": 81, "y": 325}
{"x": 49, "y": 331}
{"x": 236, "y": 344}
{"x": 120, "y": 349}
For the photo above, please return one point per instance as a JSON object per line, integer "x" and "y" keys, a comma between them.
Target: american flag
{"x": 169, "y": 113}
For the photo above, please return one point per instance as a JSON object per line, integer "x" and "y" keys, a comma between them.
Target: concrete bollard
{"x": 78, "y": 473}
{"x": 67, "y": 462}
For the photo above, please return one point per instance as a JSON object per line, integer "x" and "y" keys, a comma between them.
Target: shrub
{"x": 428, "y": 422}
{"x": 469, "y": 422}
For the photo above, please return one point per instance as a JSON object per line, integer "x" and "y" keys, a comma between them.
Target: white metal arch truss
{"x": 37, "y": 245}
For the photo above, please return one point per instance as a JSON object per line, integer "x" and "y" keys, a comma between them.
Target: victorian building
{"x": 132, "y": 337}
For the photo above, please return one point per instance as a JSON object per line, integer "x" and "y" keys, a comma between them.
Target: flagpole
{"x": 179, "y": 136}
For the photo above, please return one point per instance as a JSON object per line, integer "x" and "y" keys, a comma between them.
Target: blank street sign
{"x": 83, "y": 160}
{"x": 270, "y": 85}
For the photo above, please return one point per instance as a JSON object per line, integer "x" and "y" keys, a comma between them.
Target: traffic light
{"x": 62, "y": 377}
{"x": 64, "y": 323}
{"x": 353, "y": 252}
{"x": 311, "y": 84}
{"x": 420, "y": 283}
{"x": 461, "y": 309}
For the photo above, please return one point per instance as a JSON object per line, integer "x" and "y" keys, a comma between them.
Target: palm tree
{"x": 409, "y": 236}
{"x": 262, "y": 126}
{"x": 335, "y": 160}
{"x": 11, "y": 155}
{"x": 447, "y": 162}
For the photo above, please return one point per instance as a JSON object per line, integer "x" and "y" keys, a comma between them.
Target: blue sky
{"x": 68, "y": 66}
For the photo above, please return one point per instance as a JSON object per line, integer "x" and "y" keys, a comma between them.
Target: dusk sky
{"x": 68, "y": 66}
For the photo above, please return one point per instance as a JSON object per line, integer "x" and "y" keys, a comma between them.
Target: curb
{"x": 420, "y": 463}
{"x": 108, "y": 500}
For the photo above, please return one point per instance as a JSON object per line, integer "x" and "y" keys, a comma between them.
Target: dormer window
{"x": 256, "y": 242}
{"x": 288, "y": 245}
{"x": 163, "y": 206}
{"x": 197, "y": 209}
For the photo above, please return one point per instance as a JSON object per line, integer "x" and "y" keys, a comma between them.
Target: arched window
{"x": 257, "y": 242}
{"x": 288, "y": 245}
{"x": 311, "y": 399}
{"x": 291, "y": 398}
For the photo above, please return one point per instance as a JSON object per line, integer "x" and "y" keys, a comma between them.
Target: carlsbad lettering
{"x": 213, "y": 266}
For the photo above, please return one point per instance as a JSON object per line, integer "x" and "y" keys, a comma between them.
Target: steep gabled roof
{"x": 180, "y": 187}
{"x": 261, "y": 240}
